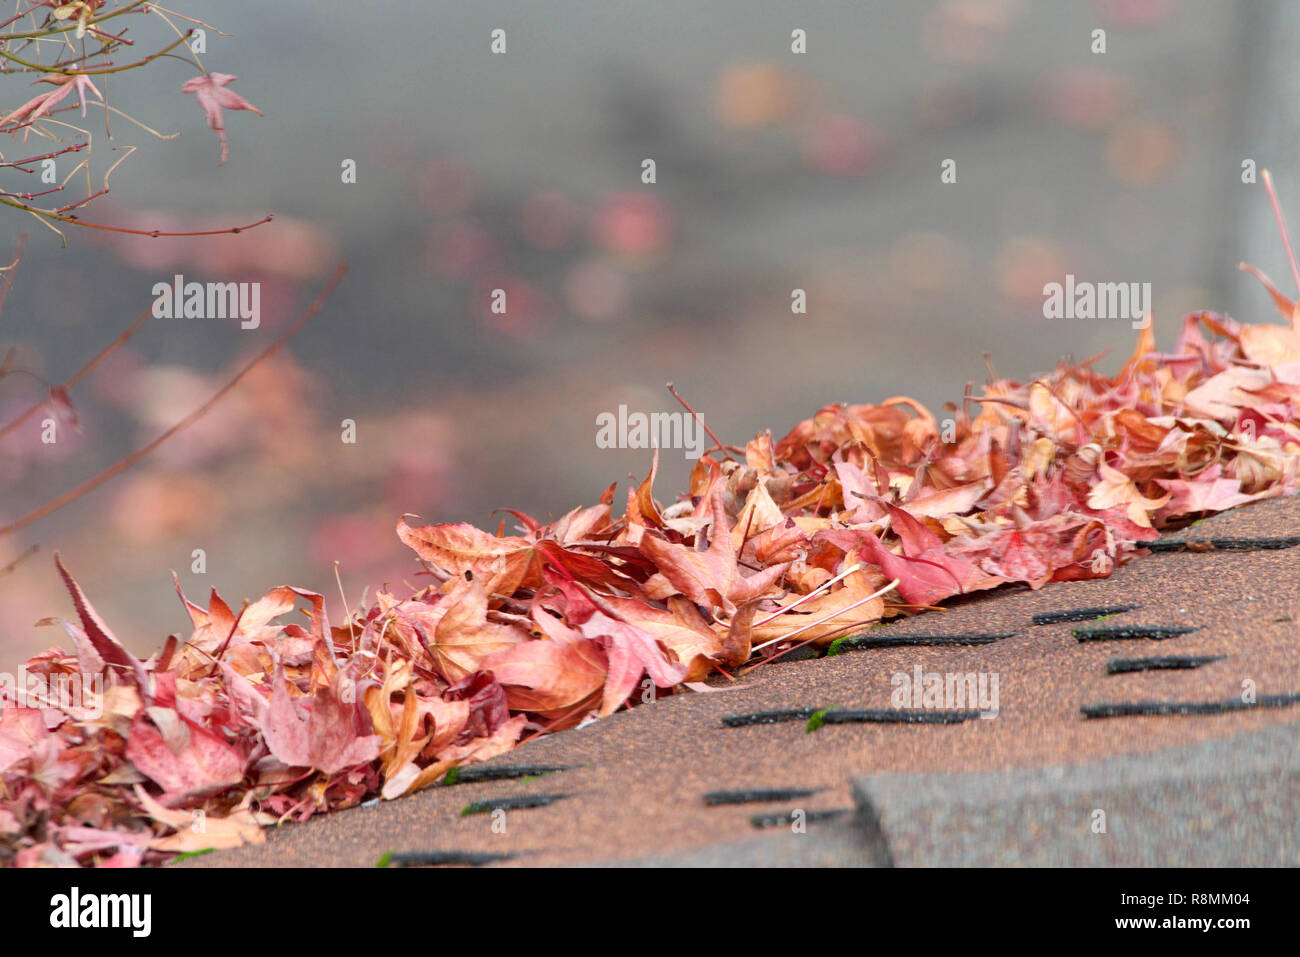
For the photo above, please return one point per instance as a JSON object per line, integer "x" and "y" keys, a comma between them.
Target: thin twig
{"x": 699, "y": 419}
{"x": 152, "y": 233}
{"x": 1281, "y": 225}
{"x": 19, "y": 560}
{"x": 833, "y": 615}
{"x": 8, "y": 282}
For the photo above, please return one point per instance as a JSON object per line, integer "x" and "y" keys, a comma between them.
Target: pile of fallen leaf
{"x": 861, "y": 513}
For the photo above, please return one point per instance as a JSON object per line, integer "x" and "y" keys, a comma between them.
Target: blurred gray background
{"x": 521, "y": 171}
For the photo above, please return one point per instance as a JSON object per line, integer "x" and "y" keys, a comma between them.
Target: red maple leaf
{"x": 711, "y": 578}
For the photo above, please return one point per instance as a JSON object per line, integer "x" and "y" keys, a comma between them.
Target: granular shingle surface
{"x": 636, "y": 782}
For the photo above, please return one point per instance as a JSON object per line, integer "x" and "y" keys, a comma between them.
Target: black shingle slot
{"x": 870, "y": 640}
{"x": 517, "y": 803}
{"x": 1117, "y": 666}
{"x": 1187, "y": 707}
{"x": 1180, "y": 545}
{"x": 1224, "y": 544}
{"x": 1080, "y": 614}
{"x": 847, "y": 716}
{"x": 782, "y": 820}
{"x": 898, "y": 716}
{"x": 757, "y": 796}
{"x": 444, "y": 858}
{"x": 481, "y": 772}
{"x": 1253, "y": 544}
{"x": 767, "y": 717}
{"x": 1150, "y": 632}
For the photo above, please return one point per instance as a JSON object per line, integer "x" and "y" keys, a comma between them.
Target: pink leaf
{"x": 322, "y": 731}
{"x": 213, "y": 97}
{"x": 105, "y": 642}
{"x": 205, "y": 761}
